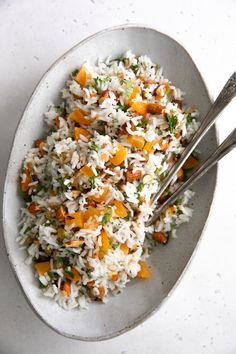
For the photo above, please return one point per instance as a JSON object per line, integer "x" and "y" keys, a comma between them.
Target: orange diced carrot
{"x": 133, "y": 176}
{"x": 119, "y": 156}
{"x": 80, "y": 131}
{"x": 90, "y": 212}
{"x": 66, "y": 288}
{"x": 114, "y": 276}
{"x": 154, "y": 108}
{"x": 149, "y": 146}
{"x": 76, "y": 218}
{"x": 82, "y": 76}
{"x": 28, "y": 179}
{"x": 180, "y": 174}
{"x": 160, "y": 237}
{"x": 100, "y": 197}
{"x": 124, "y": 248}
{"x": 61, "y": 213}
{"x": 79, "y": 116}
{"x": 120, "y": 210}
{"x": 140, "y": 107}
{"x": 191, "y": 162}
{"x": 74, "y": 243}
{"x": 76, "y": 276}
{"x": 105, "y": 244}
{"x": 42, "y": 267}
{"x": 34, "y": 208}
{"x": 144, "y": 272}
{"x": 39, "y": 143}
{"x": 87, "y": 171}
{"x": 137, "y": 141}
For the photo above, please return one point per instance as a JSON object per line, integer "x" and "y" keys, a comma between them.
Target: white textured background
{"x": 200, "y": 317}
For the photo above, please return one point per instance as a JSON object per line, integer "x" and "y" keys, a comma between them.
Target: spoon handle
{"x": 225, "y": 96}
{"x": 228, "y": 144}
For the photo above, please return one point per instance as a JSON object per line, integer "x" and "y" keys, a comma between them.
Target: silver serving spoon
{"x": 225, "y": 96}
{"x": 228, "y": 144}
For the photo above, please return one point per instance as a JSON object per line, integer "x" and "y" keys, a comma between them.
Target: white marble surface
{"x": 200, "y": 317}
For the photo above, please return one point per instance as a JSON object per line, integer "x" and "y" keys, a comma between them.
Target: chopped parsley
{"x": 172, "y": 121}
{"x": 189, "y": 119}
{"x": 63, "y": 261}
{"x": 142, "y": 123}
{"x": 115, "y": 246}
{"x": 98, "y": 82}
{"x": 128, "y": 87}
{"x": 92, "y": 181}
{"x": 41, "y": 285}
{"x": 160, "y": 132}
{"x": 60, "y": 109}
{"x": 94, "y": 146}
{"x": 135, "y": 68}
{"x": 140, "y": 187}
{"x": 129, "y": 216}
{"x": 106, "y": 216}
{"x": 74, "y": 73}
{"x": 123, "y": 107}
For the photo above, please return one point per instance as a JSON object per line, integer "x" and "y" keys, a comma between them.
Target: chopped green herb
{"x": 123, "y": 108}
{"x": 128, "y": 87}
{"x": 94, "y": 146}
{"x": 128, "y": 217}
{"x": 179, "y": 212}
{"x": 61, "y": 109}
{"x": 25, "y": 196}
{"x": 28, "y": 229}
{"x": 106, "y": 216}
{"x": 75, "y": 72}
{"x": 160, "y": 132}
{"x": 179, "y": 200}
{"x": 92, "y": 180}
{"x": 98, "y": 82}
{"x": 50, "y": 222}
{"x": 53, "y": 274}
{"x": 63, "y": 261}
{"x": 140, "y": 187}
{"x": 115, "y": 246}
{"x": 126, "y": 62}
{"x": 142, "y": 123}
{"x": 135, "y": 68}
{"x": 172, "y": 120}
{"x": 81, "y": 188}
{"x": 41, "y": 285}
{"x": 189, "y": 119}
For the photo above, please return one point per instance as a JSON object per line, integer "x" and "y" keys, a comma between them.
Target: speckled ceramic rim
{"x": 148, "y": 314}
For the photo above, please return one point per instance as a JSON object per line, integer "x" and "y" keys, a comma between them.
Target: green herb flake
{"x": 115, "y": 246}
{"x": 160, "y": 132}
{"x": 106, "y": 216}
{"x": 128, "y": 87}
{"x": 128, "y": 217}
{"x": 189, "y": 119}
{"x": 135, "y": 68}
{"x": 123, "y": 108}
{"x": 140, "y": 187}
{"x": 62, "y": 261}
{"x": 92, "y": 181}
{"x": 74, "y": 73}
{"x": 172, "y": 121}
{"x": 41, "y": 285}
{"x": 53, "y": 274}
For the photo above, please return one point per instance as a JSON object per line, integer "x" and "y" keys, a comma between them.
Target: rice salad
{"x": 88, "y": 182}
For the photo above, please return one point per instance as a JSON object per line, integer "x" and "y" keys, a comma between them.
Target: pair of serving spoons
{"x": 224, "y": 98}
